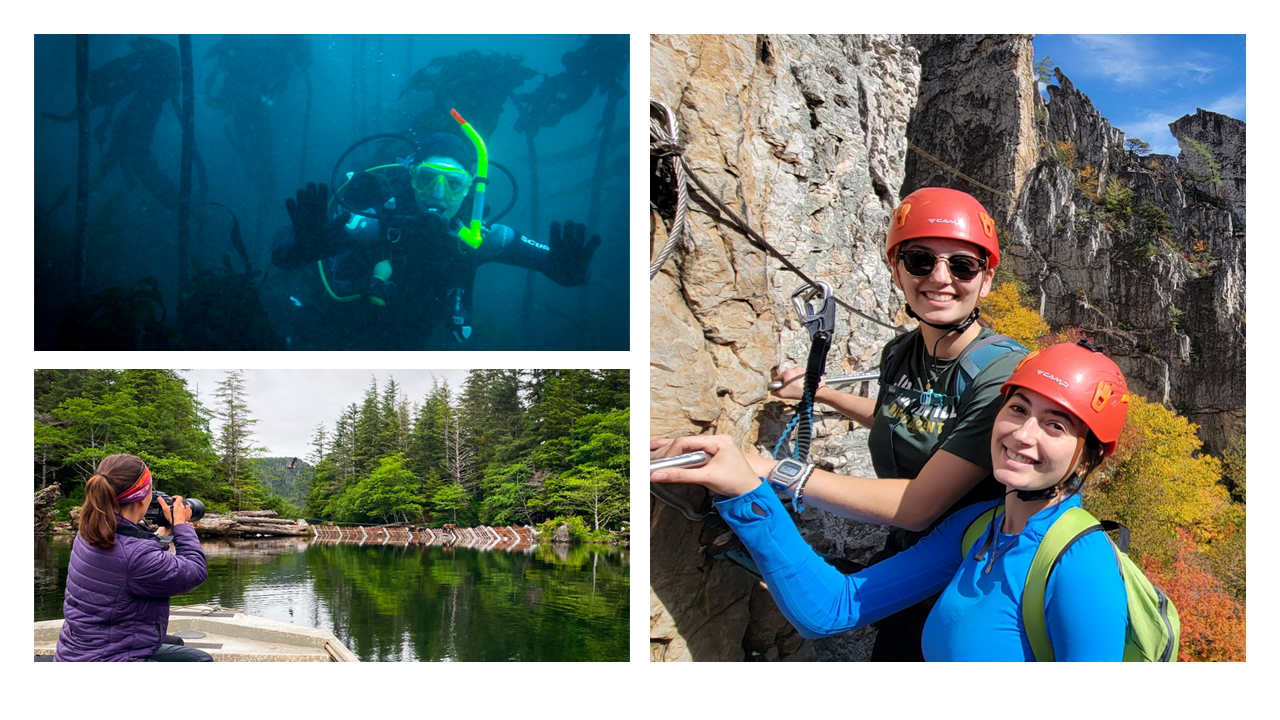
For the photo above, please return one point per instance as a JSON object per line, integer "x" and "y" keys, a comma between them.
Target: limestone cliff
{"x": 813, "y": 139}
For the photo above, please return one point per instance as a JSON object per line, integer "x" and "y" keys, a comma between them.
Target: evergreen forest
{"x": 509, "y": 447}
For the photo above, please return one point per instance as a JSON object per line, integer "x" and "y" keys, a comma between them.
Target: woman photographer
{"x": 1061, "y": 412}
{"x": 121, "y": 576}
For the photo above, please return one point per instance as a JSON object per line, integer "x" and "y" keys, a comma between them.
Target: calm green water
{"x": 410, "y": 603}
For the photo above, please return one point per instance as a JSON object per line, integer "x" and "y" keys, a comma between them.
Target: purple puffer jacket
{"x": 117, "y": 603}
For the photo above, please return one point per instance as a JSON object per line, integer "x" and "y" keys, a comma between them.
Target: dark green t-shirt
{"x": 905, "y": 434}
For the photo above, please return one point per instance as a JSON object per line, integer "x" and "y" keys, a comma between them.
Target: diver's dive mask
{"x": 441, "y": 181}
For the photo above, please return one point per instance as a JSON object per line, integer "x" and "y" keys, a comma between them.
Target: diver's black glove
{"x": 312, "y": 235}
{"x": 570, "y": 254}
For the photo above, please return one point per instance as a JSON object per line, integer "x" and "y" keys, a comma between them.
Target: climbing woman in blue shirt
{"x": 1062, "y": 413}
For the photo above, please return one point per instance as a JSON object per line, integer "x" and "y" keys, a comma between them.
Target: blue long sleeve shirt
{"x": 977, "y": 617}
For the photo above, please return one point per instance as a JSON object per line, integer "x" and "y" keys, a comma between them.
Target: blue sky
{"x": 1141, "y": 83}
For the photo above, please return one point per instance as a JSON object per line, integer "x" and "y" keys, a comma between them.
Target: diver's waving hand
{"x": 570, "y": 254}
{"x": 312, "y": 236}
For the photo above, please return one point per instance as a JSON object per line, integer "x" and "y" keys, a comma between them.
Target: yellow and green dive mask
{"x": 441, "y": 181}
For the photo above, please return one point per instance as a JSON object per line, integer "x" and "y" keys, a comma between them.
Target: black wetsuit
{"x": 428, "y": 297}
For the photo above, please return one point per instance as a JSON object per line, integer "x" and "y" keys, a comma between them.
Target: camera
{"x": 155, "y": 516}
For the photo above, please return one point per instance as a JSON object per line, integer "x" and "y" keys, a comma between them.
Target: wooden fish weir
{"x": 480, "y": 537}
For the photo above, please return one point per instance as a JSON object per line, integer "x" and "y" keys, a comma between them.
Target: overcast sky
{"x": 288, "y": 403}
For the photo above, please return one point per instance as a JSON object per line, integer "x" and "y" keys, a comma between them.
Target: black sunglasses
{"x": 921, "y": 263}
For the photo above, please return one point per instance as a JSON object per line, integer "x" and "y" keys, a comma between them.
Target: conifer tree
{"x": 234, "y": 443}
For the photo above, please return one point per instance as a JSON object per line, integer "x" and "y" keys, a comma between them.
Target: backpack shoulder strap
{"x": 974, "y": 531}
{"x": 895, "y": 356}
{"x": 980, "y": 354}
{"x": 1072, "y": 525}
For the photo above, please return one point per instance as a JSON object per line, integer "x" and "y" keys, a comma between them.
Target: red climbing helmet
{"x": 943, "y": 213}
{"x": 1082, "y": 380}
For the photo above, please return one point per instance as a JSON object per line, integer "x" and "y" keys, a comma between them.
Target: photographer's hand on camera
{"x": 179, "y": 514}
{"x": 727, "y": 473}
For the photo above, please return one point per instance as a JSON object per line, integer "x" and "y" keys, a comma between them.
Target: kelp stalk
{"x": 306, "y": 132}
{"x": 526, "y": 307}
{"x": 188, "y": 155}
{"x": 82, "y": 162}
{"x": 597, "y": 186}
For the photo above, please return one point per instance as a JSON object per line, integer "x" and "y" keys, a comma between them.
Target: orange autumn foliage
{"x": 1158, "y": 482}
{"x": 1071, "y": 335}
{"x": 1213, "y": 623}
{"x": 1008, "y": 316}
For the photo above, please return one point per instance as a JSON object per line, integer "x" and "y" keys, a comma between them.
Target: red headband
{"x": 139, "y": 491}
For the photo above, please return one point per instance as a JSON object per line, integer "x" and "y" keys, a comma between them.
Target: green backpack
{"x": 1153, "y": 630}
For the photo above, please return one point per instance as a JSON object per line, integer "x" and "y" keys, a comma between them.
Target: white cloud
{"x": 1136, "y": 61}
{"x": 1154, "y": 129}
{"x": 1231, "y": 104}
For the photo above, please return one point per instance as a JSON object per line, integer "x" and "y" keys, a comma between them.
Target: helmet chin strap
{"x": 953, "y": 328}
{"x": 1052, "y": 490}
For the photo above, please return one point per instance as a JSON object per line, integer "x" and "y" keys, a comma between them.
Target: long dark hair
{"x": 1092, "y": 456}
{"x": 116, "y": 473}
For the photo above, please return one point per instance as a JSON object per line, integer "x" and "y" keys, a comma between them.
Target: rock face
{"x": 1145, "y": 254}
{"x": 561, "y": 534}
{"x": 813, "y": 139}
{"x": 975, "y": 116}
{"x": 44, "y": 509}
{"x": 807, "y": 138}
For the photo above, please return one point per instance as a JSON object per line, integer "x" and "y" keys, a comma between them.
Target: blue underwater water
{"x": 272, "y": 114}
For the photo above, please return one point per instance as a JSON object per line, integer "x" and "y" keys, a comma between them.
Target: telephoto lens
{"x": 155, "y": 516}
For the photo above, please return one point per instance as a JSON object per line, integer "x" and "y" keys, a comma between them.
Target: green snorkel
{"x": 471, "y": 235}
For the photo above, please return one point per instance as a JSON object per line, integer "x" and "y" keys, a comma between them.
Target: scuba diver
{"x": 390, "y": 256}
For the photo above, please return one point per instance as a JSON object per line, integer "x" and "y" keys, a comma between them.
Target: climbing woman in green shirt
{"x": 939, "y": 393}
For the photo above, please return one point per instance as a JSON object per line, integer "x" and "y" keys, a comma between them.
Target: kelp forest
{"x": 163, "y": 164}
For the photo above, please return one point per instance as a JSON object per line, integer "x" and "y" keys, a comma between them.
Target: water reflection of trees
{"x": 52, "y": 557}
{"x": 469, "y": 605}
{"x": 418, "y": 603}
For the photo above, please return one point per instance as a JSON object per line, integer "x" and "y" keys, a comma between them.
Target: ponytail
{"x": 116, "y": 474}
{"x": 98, "y": 516}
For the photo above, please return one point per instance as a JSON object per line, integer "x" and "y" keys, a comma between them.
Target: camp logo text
{"x": 1054, "y": 378}
{"x": 948, "y": 221}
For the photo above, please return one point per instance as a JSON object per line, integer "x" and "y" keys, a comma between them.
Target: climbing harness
{"x": 820, "y": 321}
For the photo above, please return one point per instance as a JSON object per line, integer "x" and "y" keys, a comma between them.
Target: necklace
{"x": 997, "y": 552}
{"x": 993, "y": 542}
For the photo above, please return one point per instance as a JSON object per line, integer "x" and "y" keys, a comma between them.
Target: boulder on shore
{"x": 45, "y": 510}
{"x": 561, "y": 534}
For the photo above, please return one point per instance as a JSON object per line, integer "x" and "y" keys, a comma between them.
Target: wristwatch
{"x": 789, "y": 476}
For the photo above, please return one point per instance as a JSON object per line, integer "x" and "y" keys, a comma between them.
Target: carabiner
{"x": 824, "y": 318}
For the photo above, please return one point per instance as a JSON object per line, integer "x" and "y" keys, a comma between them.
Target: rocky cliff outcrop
{"x": 1144, "y": 253}
{"x": 45, "y": 512}
{"x": 813, "y": 139}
